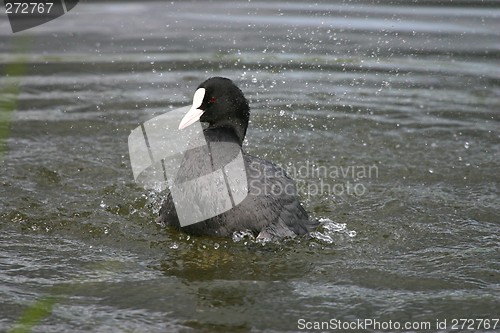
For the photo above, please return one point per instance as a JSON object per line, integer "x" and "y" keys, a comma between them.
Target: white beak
{"x": 194, "y": 114}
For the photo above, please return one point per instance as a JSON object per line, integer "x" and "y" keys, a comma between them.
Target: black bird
{"x": 271, "y": 208}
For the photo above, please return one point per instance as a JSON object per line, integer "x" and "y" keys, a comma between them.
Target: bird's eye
{"x": 212, "y": 100}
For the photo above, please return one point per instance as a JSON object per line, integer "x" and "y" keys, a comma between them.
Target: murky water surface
{"x": 387, "y": 116}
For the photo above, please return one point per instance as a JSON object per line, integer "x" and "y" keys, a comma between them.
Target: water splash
{"x": 239, "y": 236}
{"x": 327, "y": 232}
{"x": 329, "y": 229}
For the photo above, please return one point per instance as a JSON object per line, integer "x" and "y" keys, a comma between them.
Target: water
{"x": 410, "y": 92}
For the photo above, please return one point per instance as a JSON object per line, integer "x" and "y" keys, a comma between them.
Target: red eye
{"x": 212, "y": 100}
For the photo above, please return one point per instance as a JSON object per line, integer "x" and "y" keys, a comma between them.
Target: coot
{"x": 271, "y": 208}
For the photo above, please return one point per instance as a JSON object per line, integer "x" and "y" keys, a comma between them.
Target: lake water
{"x": 387, "y": 115}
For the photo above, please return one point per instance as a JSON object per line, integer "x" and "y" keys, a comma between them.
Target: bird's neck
{"x": 226, "y": 132}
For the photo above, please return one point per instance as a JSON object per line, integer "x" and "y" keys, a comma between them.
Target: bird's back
{"x": 270, "y": 210}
